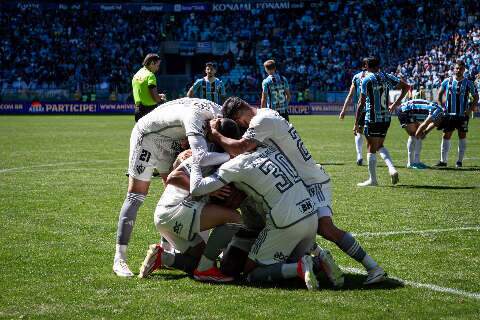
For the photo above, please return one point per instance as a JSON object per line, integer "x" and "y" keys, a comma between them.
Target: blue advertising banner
{"x": 37, "y": 107}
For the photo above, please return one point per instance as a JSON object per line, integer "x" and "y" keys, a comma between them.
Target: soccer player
{"x": 154, "y": 144}
{"x": 374, "y": 99}
{"x": 355, "y": 92}
{"x": 275, "y": 90}
{"x": 180, "y": 217}
{"x": 457, "y": 90}
{"x": 410, "y": 115}
{"x": 208, "y": 87}
{"x": 266, "y": 126}
{"x": 267, "y": 175}
{"x": 144, "y": 86}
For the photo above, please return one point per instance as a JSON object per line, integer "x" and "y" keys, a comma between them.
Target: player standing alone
{"x": 355, "y": 92}
{"x": 457, "y": 91}
{"x": 144, "y": 85}
{"x": 275, "y": 90}
{"x": 208, "y": 87}
{"x": 375, "y": 93}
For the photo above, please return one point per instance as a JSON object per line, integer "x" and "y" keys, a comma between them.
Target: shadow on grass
{"x": 167, "y": 276}
{"x": 332, "y": 164}
{"x": 456, "y": 169}
{"x": 412, "y": 186}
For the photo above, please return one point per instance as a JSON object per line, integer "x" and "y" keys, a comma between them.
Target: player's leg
{"x": 445, "y": 146}
{"x": 359, "y": 140}
{"x": 224, "y": 222}
{"x": 462, "y": 141}
{"x": 411, "y": 144}
{"x": 348, "y": 244}
{"x": 267, "y": 261}
{"x": 372, "y": 146}
{"x": 384, "y": 153}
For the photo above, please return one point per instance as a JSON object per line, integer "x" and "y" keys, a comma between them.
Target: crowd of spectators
{"x": 319, "y": 47}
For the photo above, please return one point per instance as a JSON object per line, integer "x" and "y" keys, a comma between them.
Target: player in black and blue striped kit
{"x": 275, "y": 90}
{"x": 457, "y": 90}
{"x": 411, "y": 114}
{"x": 208, "y": 87}
{"x": 355, "y": 92}
{"x": 374, "y": 99}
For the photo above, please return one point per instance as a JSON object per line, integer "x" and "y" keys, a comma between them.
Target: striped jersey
{"x": 376, "y": 87}
{"x": 423, "y": 108}
{"x": 457, "y": 93}
{"x": 213, "y": 91}
{"x": 357, "y": 83}
{"x": 274, "y": 87}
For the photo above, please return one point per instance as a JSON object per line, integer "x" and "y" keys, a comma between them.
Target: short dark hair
{"x": 229, "y": 128}
{"x": 211, "y": 65}
{"x": 232, "y": 106}
{"x": 364, "y": 62}
{"x": 460, "y": 62}
{"x": 269, "y": 64}
{"x": 372, "y": 62}
{"x": 151, "y": 58}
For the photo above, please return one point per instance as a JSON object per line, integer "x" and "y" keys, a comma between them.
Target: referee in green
{"x": 144, "y": 84}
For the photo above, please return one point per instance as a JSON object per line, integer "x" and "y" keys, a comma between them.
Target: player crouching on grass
{"x": 180, "y": 217}
{"x": 437, "y": 118}
{"x": 411, "y": 114}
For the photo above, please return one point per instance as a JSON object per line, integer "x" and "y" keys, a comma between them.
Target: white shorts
{"x": 279, "y": 245}
{"x": 149, "y": 152}
{"x": 321, "y": 194}
{"x": 180, "y": 225}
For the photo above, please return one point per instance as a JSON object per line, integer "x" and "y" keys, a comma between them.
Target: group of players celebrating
{"x": 241, "y": 185}
{"x": 456, "y": 100}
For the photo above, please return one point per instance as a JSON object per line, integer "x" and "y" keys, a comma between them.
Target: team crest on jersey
{"x": 279, "y": 256}
{"x": 177, "y": 228}
{"x": 140, "y": 169}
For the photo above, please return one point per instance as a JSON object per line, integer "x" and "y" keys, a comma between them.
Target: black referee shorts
{"x": 141, "y": 110}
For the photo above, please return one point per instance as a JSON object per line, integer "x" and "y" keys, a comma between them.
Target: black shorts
{"x": 285, "y": 115}
{"x": 406, "y": 118}
{"x": 142, "y": 110}
{"x": 376, "y": 129}
{"x": 450, "y": 123}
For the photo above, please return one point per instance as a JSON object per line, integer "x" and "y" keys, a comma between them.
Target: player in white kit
{"x": 282, "y": 248}
{"x": 154, "y": 144}
{"x": 265, "y": 126}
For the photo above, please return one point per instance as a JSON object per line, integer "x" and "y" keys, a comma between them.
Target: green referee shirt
{"x": 141, "y": 81}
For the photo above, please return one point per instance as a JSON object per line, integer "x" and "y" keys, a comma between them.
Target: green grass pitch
{"x": 62, "y": 184}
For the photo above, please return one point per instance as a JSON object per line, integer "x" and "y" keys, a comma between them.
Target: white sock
{"x": 462, "y": 146}
{"x": 369, "y": 263}
{"x": 167, "y": 259}
{"x": 388, "y": 160}
{"x": 418, "y": 150}
{"x": 411, "y": 149}
{"x": 445, "y": 147}
{"x": 289, "y": 270}
{"x": 372, "y": 166}
{"x": 204, "y": 264}
{"x": 121, "y": 252}
{"x": 359, "y": 145}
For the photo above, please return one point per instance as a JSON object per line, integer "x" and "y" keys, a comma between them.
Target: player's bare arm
{"x": 231, "y": 146}
{"x": 263, "y": 101}
{"x": 405, "y": 87}
{"x": 190, "y": 92}
{"x": 288, "y": 95}
{"x": 347, "y": 101}
{"x": 440, "y": 96}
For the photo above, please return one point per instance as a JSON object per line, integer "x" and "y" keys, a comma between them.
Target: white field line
{"x": 57, "y": 164}
{"x": 432, "y": 287}
{"x": 391, "y": 233}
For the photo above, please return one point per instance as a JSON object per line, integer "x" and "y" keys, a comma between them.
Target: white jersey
{"x": 268, "y": 127}
{"x": 268, "y": 176}
{"x": 179, "y": 118}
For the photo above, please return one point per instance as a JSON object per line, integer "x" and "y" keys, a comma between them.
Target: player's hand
{"x": 215, "y": 124}
{"x": 355, "y": 129}
{"x": 342, "y": 115}
{"x": 222, "y": 193}
{"x": 392, "y": 107}
{"x": 163, "y": 97}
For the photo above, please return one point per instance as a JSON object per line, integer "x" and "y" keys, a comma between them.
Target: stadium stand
{"x": 69, "y": 51}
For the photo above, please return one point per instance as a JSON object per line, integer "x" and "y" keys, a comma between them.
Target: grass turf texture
{"x": 62, "y": 184}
